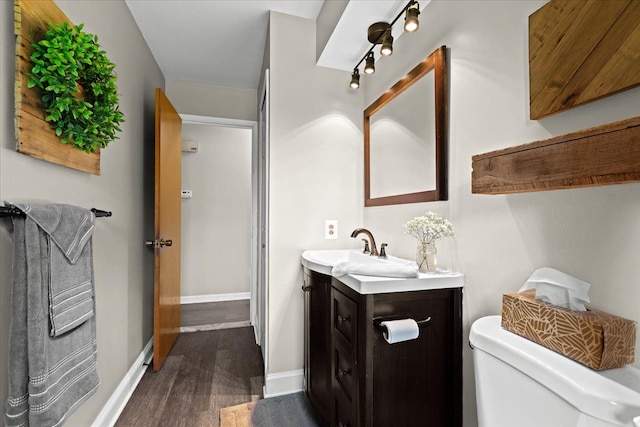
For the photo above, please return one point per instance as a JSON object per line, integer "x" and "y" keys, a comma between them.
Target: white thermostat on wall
{"x": 186, "y": 194}
{"x": 189, "y": 147}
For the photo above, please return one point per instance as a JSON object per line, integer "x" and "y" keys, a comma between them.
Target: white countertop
{"x": 322, "y": 261}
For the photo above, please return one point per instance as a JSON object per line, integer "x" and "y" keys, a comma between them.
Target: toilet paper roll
{"x": 400, "y": 330}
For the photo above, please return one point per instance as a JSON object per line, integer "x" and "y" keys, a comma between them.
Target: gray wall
{"x": 591, "y": 233}
{"x": 216, "y": 221}
{"x": 123, "y": 266}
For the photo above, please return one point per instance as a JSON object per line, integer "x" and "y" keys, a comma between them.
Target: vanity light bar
{"x": 380, "y": 33}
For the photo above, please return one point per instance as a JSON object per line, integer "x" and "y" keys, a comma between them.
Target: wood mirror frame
{"x": 435, "y": 62}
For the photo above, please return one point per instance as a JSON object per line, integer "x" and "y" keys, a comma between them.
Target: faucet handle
{"x": 366, "y": 247}
{"x": 383, "y": 252}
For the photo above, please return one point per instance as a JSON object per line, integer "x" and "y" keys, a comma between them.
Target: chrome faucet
{"x": 374, "y": 249}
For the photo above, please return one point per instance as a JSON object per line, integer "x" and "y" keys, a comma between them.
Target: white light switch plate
{"x": 331, "y": 229}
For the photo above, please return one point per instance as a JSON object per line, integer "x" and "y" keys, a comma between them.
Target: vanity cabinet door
{"x": 418, "y": 382}
{"x": 317, "y": 340}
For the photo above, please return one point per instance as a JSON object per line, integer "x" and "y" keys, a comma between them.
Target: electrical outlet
{"x": 186, "y": 194}
{"x": 331, "y": 229}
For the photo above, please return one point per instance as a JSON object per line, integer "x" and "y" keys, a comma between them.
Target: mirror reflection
{"x": 402, "y": 142}
{"x": 406, "y": 139}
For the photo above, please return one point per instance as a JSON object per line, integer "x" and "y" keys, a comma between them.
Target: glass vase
{"x": 426, "y": 257}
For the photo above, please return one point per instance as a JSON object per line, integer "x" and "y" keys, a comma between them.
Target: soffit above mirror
{"x": 348, "y": 41}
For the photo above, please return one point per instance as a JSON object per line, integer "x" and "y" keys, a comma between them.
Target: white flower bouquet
{"x": 429, "y": 227}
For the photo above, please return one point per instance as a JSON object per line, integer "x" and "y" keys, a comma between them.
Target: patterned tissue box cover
{"x": 594, "y": 338}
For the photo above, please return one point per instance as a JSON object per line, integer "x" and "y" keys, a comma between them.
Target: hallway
{"x": 205, "y": 371}
{"x": 209, "y": 316}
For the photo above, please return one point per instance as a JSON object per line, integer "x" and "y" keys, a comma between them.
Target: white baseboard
{"x": 195, "y": 299}
{"x": 283, "y": 383}
{"x": 118, "y": 400}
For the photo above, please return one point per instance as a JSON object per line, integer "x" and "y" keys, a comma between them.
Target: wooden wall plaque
{"x": 581, "y": 51}
{"x": 34, "y": 136}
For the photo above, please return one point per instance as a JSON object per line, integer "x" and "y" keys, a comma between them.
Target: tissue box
{"x": 596, "y": 339}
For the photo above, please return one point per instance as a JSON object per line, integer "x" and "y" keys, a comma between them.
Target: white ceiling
{"x": 221, "y": 42}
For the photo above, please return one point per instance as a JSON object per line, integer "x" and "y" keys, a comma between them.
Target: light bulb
{"x": 387, "y": 44}
{"x": 411, "y": 22}
{"x": 369, "y": 66}
{"x": 355, "y": 79}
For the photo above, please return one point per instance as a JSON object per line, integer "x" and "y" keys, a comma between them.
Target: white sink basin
{"x": 322, "y": 261}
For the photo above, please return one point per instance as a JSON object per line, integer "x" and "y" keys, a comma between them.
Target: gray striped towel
{"x": 52, "y": 340}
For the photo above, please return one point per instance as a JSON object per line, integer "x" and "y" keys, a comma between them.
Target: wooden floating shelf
{"x": 608, "y": 154}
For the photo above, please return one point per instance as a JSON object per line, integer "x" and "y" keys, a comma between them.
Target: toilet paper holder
{"x": 377, "y": 322}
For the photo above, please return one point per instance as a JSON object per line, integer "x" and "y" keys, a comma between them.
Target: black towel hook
{"x": 100, "y": 213}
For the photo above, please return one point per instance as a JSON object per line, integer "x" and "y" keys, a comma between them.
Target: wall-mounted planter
{"x": 34, "y": 136}
{"x": 608, "y": 154}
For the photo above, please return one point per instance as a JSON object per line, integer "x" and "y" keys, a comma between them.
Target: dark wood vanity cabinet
{"x": 317, "y": 340}
{"x": 355, "y": 378}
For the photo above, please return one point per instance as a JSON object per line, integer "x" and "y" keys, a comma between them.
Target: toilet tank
{"x": 522, "y": 384}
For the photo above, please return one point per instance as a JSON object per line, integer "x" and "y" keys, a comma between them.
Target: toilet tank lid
{"x": 611, "y": 395}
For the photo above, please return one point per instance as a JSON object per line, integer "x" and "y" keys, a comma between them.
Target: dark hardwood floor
{"x": 204, "y": 372}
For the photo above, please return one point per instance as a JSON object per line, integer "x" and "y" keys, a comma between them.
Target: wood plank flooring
{"x": 205, "y": 371}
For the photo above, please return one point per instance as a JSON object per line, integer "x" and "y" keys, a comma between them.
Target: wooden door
{"x": 168, "y": 164}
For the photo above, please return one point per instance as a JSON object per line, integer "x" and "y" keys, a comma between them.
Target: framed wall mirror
{"x": 406, "y": 138}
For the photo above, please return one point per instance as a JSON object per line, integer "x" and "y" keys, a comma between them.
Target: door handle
{"x": 343, "y": 372}
{"x": 342, "y": 320}
{"x": 158, "y": 243}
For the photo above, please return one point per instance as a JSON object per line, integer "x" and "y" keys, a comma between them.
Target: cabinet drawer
{"x": 345, "y": 318}
{"x": 344, "y": 372}
{"x": 344, "y": 411}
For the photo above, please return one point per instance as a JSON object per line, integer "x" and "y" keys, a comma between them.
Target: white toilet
{"x": 522, "y": 384}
